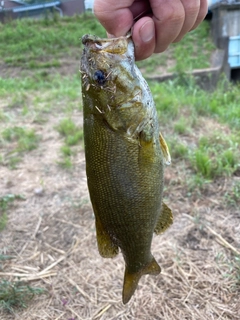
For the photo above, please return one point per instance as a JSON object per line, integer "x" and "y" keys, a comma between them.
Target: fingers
{"x": 202, "y": 13}
{"x": 115, "y": 16}
{"x": 157, "y": 22}
{"x": 191, "y": 9}
{"x": 169, "y": 17}
{"x": 172, "y": 20}
{"x": 195, "y": 12}
{"x": 143, "y": 36}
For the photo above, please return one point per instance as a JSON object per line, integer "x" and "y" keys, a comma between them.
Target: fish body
{"x": 124, "y": 156}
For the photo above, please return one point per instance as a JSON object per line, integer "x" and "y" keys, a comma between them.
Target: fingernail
{"x": 147, "y": 31}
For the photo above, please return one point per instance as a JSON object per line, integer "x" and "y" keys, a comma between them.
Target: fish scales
{"x": 124, "y": 156}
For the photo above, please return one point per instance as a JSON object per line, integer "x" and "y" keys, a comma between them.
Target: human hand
{"x": 156, "y": 23}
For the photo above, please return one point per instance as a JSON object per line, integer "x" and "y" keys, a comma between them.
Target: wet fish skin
{"x": 124, "y": 156}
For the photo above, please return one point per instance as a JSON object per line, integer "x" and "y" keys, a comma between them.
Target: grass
{"x": 5, "y": 202}
{"x": 182, "y": 55}
{"x": 43, "y": 38}
{"x": 61, "y": 86}
{"x": 46, "y": 98}
{"x": 232, "y": 196}
{"x": 216, "y": 155}
{"x": 16, "y": 294}
{"x": 26, "y": 139}
{"x": 73, "y": 135}
{"x": 54, "y": 38}
{"x": 17, "y": 140}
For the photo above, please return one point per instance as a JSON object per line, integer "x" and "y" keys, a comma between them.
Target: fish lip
{"x": 91, "y": 38}
{"x": 110, "y": 45}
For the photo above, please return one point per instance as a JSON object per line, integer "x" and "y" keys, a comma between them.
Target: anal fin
{"x": 106, "y": 247}
{"x": 165, "y": 219}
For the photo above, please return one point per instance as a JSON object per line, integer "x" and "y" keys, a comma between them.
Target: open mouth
{"x": 111, "y": 45}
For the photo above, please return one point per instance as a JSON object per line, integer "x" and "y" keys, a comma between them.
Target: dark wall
{"x": 72, "y": 7}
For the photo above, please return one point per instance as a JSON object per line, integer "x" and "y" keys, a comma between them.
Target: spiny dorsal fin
{"x": 165, "y": 219}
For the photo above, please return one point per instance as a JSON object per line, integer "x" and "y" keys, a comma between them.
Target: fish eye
{"x": 99, "y": 76}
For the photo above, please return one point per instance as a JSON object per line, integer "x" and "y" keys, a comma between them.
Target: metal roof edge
{"x": 36, "y": 6}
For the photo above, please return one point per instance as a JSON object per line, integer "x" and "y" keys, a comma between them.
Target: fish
{"x": 125, "y": 156}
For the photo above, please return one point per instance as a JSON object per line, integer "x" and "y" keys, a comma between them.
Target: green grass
{"x": 24, "y": 42}
{"x": 183, "y": 54}
{"x": 195, "y": 44}
{"x": 37, "y": 44}
{"x": 232, "y": 196}
{"x": 26, "y": 139}
{"x": 16, "y": 141}
{"x": 222, "y": 104}
{"x": 5, "y": 202}
{"x": 16, "y": 294}
{"x": 216, "y": 155}
{"x": 61, "y": 86}
{"x": 73, "y": 135}
{"x": 51, "y": 92}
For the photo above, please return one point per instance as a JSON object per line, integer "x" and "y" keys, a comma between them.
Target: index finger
{"x": 117, "y": 17}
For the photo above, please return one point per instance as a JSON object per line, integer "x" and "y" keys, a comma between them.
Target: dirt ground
{"x": 51, "y": 236}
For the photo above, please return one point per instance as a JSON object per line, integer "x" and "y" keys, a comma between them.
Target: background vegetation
{"x": 43, "y": 186}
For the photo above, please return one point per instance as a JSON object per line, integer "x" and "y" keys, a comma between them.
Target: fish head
{"x": 107, "y": 69}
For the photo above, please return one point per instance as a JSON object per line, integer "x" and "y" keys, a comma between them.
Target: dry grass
{"x": 50, "y": 236}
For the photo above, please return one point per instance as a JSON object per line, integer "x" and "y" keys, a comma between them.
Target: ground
{"x": 50, "y": 236}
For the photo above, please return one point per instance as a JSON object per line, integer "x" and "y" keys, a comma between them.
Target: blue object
{"x": 234, "y": 52}
{"x": 36, "y": 6}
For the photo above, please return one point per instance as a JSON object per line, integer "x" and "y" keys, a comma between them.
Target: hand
{"x": 156, "y": 23}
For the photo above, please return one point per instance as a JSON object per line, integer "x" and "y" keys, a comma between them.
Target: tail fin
{"x": 131, "y": 279}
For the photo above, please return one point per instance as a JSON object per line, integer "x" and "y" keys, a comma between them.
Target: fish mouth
{"x": 110, "y": 45}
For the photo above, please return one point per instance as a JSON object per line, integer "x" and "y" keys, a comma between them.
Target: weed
{"x": 6, "y": 200}
{"x": 193, "y": 44}
{"x": 65, "y": 163}
{"x": 46, "y": 37}
{"x": 66, "y": 151}
{"x": 16, "y": 294}
{"x": 26, "y": 139}
{"x": 181, "y": 126}
{"x": 215, "y": 156}
{"x": 3, "y": 221}
{"x": 203, "y": 164}
{"x": 152, "y": 63}
{"x": 233, "y": 196}
{"x": 177, "y": 149}
{"x": 196, "y": 183}
{"x": 73, "y": 134}
{"x": 231, "y": 267}
{"x": 4, "y": 205}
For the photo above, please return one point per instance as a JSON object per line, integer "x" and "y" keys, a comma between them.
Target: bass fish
{"x": 125, "y": 156}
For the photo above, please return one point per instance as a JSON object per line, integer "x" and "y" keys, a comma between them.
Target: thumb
{"x": 115, "y": 16}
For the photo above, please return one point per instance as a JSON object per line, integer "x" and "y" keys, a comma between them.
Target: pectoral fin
{"x": 106, "y": 247}
{"x": 165, "y": 219}
{"x": 165, "y": 150}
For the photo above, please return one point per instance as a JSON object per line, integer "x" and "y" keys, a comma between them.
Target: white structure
{"x": 88, "y": 4}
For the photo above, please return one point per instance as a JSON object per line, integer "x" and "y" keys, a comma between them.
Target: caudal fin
{"x": 131, "y": 279}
